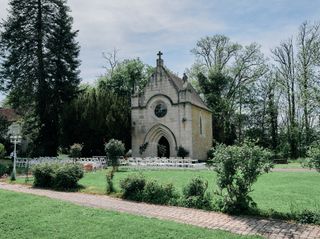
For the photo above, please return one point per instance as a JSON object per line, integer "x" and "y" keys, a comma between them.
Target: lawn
{"x": 279, "y": 191}
{"x": 26, "y": 216}
{"x": 289, "y": 165}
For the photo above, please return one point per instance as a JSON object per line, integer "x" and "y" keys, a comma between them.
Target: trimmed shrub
{"x": 114, "y": 149}
{"x": 44, "y": 175}
{"x": 182, "y": 152}
{"x": 237, "y": 168}
{"x": 75, "y": 150}
{"x": 67, "y": 176}
{"x": 110, "y": 188}
{"x": 195, "y": 195}
{"x": 159, "y": 194}
{"x": 2, "y": 151}
{"x": 58, "y": 176}
{"x": 132, "y": 187}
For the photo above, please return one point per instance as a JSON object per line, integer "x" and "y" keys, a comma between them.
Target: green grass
{"x": 279, "y": 191}
{"x": 293, "y": 165}
{"x": 26, "y": 216}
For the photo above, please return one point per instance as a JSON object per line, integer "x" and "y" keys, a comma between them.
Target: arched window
{"x": 201, "y": 131}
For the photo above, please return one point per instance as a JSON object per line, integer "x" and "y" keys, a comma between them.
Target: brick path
{"x": 212, "y": 220}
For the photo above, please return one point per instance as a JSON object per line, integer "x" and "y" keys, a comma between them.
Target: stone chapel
{"x": 167, "y": 114}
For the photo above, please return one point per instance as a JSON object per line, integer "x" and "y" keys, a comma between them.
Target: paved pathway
{"x": 212, "y": 220}
{"x": 296, "y": 170}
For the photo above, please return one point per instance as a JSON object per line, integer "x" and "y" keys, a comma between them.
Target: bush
{"x": 110, "y": 188}
{"x": 67, "y": 176}
{"x": 2, "y": 151}
{"x": 237, "y": 168}
{"x": 75, "y": 150}
{"x": 159, "y": 194}
{"x": 114, "y": 149}
{"x": 313, "y": 154}
{"x": 210, "y": 153}
{"x": 182, "y": 152}
{"x": 307, "y": 217}
{"x": 44, "y": 175}
{"x": 132, "y": 187}
{"x": 3, "y": 170}
{"x": 195, "y": 195}
{"x": 58, "y": 176}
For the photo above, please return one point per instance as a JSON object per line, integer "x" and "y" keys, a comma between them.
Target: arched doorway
{"x": 163, "y": 148}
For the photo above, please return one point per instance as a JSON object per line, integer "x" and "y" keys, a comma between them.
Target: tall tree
{"x": 40, "y": 64}
{"x": 242, "y": 66}
{"x": 98, "y": 113}
{"x": 285, "y": 57}
{"x": 308, "y": 44}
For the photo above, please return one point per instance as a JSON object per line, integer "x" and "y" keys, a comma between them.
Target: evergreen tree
{"x": 40, "y": 65}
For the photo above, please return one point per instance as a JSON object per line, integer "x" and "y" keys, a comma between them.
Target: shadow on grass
{"x": 78, "y": 188}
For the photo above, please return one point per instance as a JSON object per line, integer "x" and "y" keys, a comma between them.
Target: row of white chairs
{"x": 29, "y": 162}
{"x": 161, "y": 162}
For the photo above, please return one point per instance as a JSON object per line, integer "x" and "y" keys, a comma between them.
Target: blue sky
{"x": 140, "y": 28}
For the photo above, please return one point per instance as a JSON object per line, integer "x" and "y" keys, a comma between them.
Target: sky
{"x": 140, "y": 28}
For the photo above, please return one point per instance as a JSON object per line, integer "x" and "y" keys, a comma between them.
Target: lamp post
{"x": 15, "y": 139}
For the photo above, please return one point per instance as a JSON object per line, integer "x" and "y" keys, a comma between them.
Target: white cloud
{"x": 139, "y": 28}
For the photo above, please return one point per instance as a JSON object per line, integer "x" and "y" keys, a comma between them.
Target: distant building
{"x": 9, "y": 114}
{"x": 168, "y": 114}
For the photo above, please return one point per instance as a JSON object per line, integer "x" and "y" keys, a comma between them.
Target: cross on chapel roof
{"x": 159, "y": 54}
{"x": 159, "y": 60}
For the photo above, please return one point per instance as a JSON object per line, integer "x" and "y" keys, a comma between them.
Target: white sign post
{"x": 15, "y": 138}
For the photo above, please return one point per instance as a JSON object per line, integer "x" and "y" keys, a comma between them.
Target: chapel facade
{"x": 168, "y": 114}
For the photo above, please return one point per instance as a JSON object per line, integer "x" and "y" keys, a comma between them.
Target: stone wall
{"x": 201, "y": 142}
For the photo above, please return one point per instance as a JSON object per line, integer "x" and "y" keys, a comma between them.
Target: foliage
{"x": 57, "y": 176}
{"x": 307, "y": 216}
{"x": 4, "y": 124}
{"x": 128, "y": 77}
{"x": 237, "y": 168}
{"x": 195, "y": 195}
{"x": 136, "y": 188}
{"x": 39, "y": 67}
{"x": 313, "y": 154}
{"x": 114, "y": 149}
{"x": 44, "y": 175}
{"x": 98, "y": 113}
{"x": 132, "y": 187}
{"x": 210, "y": 153}
{"x": 182, "y": 152}
{"x": 67, "y": 176}
{"x": 159, "y": 194}
{"x": 275, "y": 104}
{"x": 109, "y": 177}
{"x": 2, "y": 150}
{"x": 75, "y": 150}
{"x": 3, "y": 170}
